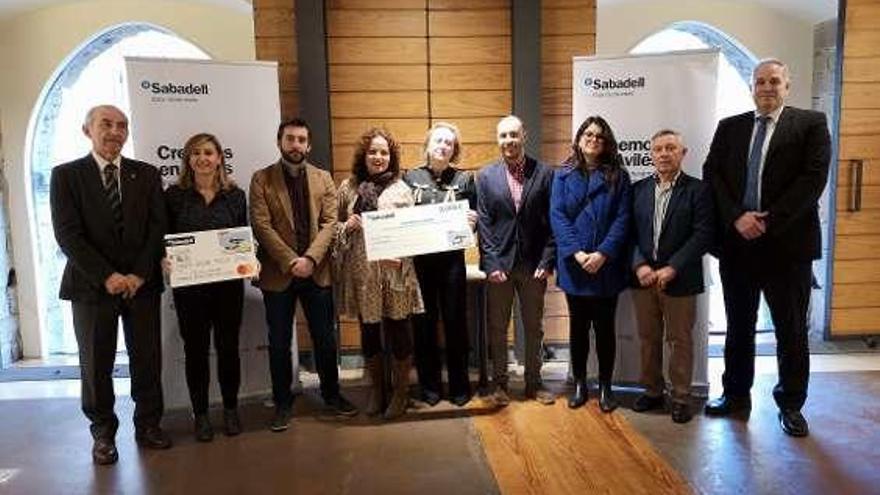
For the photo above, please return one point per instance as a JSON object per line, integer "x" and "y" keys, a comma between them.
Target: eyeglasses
{"x": 594, "y": 135}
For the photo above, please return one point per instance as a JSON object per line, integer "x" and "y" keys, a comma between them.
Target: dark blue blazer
{"x": 508, "y": 236}
{"x": 84, "y": 227}
{"x": 795, "y": 172}
{"x": 588, "y": 214}
{"x": 686, "y": 234}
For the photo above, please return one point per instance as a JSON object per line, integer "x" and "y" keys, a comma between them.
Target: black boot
{"x": 580, "y": 395}
{"x": 607, "y": 402}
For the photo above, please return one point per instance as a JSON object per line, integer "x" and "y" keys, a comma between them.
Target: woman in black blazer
{"x": 206, "y": 198}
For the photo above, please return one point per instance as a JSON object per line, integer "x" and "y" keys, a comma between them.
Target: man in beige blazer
{"x": 293, "y": 216}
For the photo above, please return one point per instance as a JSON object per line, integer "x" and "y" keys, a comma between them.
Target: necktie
{"x": 753, "y": 177}
{"x": 111, "y": 189}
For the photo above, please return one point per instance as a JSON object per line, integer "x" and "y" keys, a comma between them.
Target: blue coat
{"x": 587, "y": 214}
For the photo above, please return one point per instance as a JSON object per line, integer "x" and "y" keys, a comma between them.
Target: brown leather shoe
{"x": 152, "y": 437}
{"x": 104, "y": 452}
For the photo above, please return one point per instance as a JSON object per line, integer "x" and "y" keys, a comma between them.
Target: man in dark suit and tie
{"x": 672, "y": 215}
{"x": 109, "y": 220}
{"x": 767, "y": 169}
{"x": 517, "y": 252}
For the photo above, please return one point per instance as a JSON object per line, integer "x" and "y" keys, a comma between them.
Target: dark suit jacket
{"x": 84, "y": 227}
{"x": 795, "y": 171}
{"x": 686, "y": 234}
{"x": 507, "y": 236}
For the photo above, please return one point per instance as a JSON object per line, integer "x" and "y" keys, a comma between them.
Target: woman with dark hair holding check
{"x": 206, "y": 198}
{"x": 380, "y": 294}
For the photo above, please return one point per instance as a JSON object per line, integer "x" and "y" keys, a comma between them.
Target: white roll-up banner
{"x": 170, "y": 101}
{"x": 639, "y": 95}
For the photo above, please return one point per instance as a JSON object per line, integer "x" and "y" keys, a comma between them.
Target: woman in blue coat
{"x": 590, "y": 214}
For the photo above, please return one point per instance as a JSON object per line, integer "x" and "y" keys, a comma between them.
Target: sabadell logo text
{"x": 610, "y": 83}
{"x": 170, "y": 88}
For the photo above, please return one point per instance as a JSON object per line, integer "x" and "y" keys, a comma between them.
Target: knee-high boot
{"x": 400, "y": 391}
{"x": 377, "y": 399}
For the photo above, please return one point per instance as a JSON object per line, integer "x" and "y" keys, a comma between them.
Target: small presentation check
{"x": 417, "y": 230}
{"x": 211, "y": 256}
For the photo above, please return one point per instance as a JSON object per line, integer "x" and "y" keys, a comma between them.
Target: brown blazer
{"x": 272, "y": 223}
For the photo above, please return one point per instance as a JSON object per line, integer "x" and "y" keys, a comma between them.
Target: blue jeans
{"x": 317, "y": 303}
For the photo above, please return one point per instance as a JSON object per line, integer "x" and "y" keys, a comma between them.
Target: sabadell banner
{"x": 639, "y": 95}
{"x": 170, "y": 101}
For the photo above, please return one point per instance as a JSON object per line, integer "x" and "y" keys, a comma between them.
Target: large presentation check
{"x": 211, "y": 256}
{"x": 417, "y": 230}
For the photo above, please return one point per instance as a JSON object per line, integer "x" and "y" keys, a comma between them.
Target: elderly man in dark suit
{"x": 672, "y": 215}
{"x": 293, "y": 215}
{"x": 517, "y": 252}
{"x": 767, "y": 169}
{"x": 109, "y": 220}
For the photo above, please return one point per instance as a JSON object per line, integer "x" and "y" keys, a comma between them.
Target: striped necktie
{"x": 111, "y": 189}
{"x": 751, "y": 201}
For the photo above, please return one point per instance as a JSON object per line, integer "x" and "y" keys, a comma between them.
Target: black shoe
{"x": 725, "y": 405}
{"x": 646, "y": 402}
{"x": 104, "y": 452}
{"x": 281, "y": 421}
{"x": 580, "y": 395}
{"x": 430, "y": 397}
{"x": 460, "y": 400}
{"x": 341, "y": 406}
{"x": 202, "y": 428}
{"x": 152, "y": 437}
{"x": 607, "y": 402}
{"x": 231, "y": 422}
{"x": 681, "y": 412}
{"x": 793, "y": 423}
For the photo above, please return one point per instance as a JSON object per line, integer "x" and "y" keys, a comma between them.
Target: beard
{"x": 294, "y": 157}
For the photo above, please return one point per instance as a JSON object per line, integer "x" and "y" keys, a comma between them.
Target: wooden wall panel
{"x": 375, "y": 23}
{"x": 275, "y": 40}
{"x": 473, "y": 50}
{"x": 377, "y": 51}
{"x": 449, "y": 105}
{"x": 469, "y": 23}
{"x": 347, "y": 131}
{"x": 273, "y": 21}
{"x": 470, "y": 77}
{"x": 855, "y": 303}
{"x": 568, "y": 29}
{"x": 378, "y": 105}
{"x": 378, "y": 78}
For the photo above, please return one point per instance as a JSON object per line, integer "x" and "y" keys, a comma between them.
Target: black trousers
{"x": 745, "y": 273}
{"x": 596, "y": 312}
{"x": 201, "y": 309}
{"x": 442, "y": 280}
{"x": 96, "y": 326}
{"x": 317, "y": 304}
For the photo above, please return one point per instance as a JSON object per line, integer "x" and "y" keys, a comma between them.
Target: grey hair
{"x": 90, "y": 115}
{"x": 669, "y": 132}
{"x": 772, "y": 61}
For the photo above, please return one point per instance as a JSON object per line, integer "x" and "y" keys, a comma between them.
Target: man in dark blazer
{"x": 517, "y": 252}
{"x": 672, "y": 215}
{"x": 109, "y": 220}
{"x": 767, "y": 169}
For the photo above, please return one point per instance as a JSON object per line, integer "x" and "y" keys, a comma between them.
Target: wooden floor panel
{"x": 540, "y": 449}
